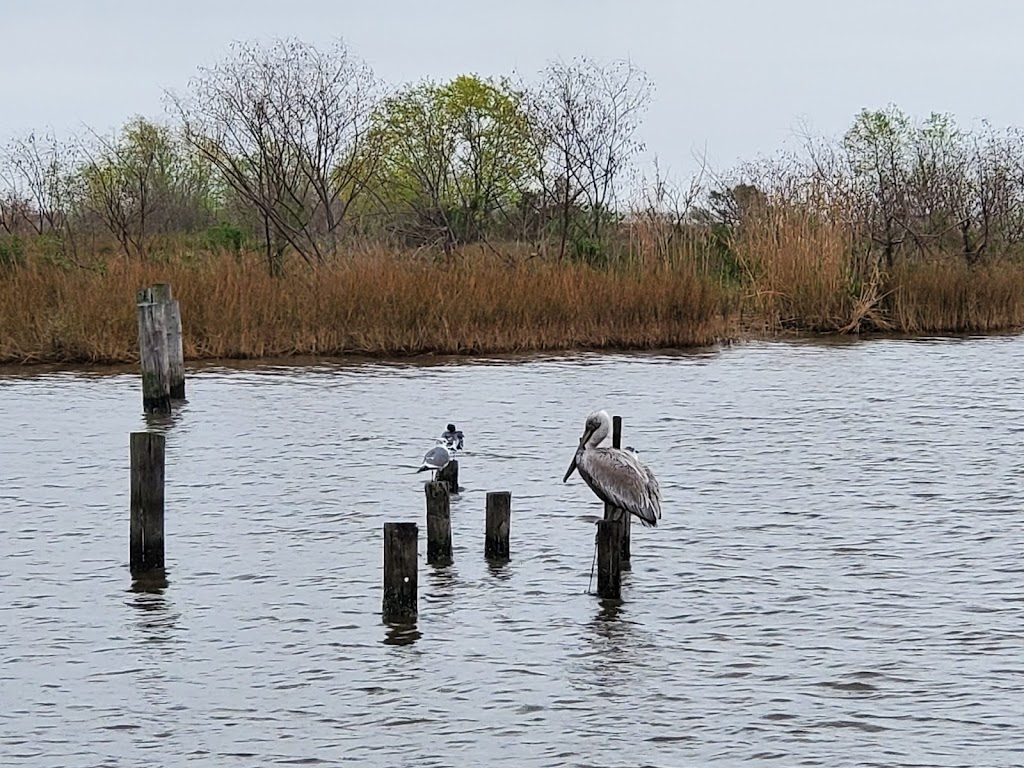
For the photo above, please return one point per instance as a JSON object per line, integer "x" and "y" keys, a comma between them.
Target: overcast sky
{"x": 734, "y": 77}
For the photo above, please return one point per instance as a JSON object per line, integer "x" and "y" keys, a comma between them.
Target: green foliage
{"x": 147, "y": 181}
{"x": 225, "y": 237}
{"x": 453, "y": 154}
{"x": 877, "y": 140}
{"x": 721, "y": 245}
{"x": 589, "y": 250}
{"x": 12, "y": 251}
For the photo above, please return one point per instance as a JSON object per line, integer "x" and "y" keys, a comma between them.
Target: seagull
{"x": 453, "y": 437}
{"x": 436, "y": 459}
{"x": 618, "y": 477}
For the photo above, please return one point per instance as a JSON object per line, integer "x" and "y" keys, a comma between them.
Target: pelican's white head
{"x": 596, "y": 429}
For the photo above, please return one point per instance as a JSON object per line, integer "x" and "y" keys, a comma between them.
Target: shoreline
{"x": 428, "y": 359}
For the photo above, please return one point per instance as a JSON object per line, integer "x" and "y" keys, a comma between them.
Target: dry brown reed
{"x": 376, "y": 305}
{"x": 797, "y": 270}
{"x": 801, "y": 274}
{"x": 949, "y": 296}
{"x": 795, "y": 274}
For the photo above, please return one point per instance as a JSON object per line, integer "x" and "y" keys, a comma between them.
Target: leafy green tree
{"x": 453, "y": 158}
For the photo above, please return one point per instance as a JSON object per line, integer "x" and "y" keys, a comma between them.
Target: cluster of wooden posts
{"x": 401, "y": 545}
{"x": 160, "y": 348}
{"x": 401, "y": 542}
{"x": 163, "y": 381}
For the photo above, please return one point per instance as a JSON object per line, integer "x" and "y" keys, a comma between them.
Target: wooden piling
{"x": 175, "y": 350}
{"x": 165, "y": 315}
{"x": 609, "y": 559}
{"x": 626, "y": 518}
{"x": 400, "y": 571}
{"x": 450, "y": 475}
{"x": 439, "y": 523}
{"x": 497, "y": 525}
{"x": 147, "y": 502}
{"x": 153, "y": 355}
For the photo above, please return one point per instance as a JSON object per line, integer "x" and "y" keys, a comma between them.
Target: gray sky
{"x": 735, "y": 77}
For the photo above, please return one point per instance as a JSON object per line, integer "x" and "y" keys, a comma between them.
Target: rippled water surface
{"x": 837, "y": 580}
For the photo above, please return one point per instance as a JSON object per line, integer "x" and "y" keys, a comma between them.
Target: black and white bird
{"x": 453, "y": 437}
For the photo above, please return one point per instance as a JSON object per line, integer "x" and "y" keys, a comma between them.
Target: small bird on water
{"x": 616, "y": 476}
{"x": 453, "y": 437}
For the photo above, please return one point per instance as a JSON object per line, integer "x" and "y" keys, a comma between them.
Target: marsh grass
{"x": 786, "y": 273}
{"x": 376, "y": 304}
{"x": 948, "y": 296}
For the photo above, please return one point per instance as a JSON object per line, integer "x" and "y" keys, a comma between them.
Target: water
{"x": 837, "y": 580}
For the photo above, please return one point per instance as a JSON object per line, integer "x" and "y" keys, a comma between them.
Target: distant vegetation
{"x": 300, "y": 206}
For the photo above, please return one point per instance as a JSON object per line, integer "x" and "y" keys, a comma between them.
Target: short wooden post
{"x": 450, "y": 474}
{"x": 497, "y": 525}
{"x": 439, "y": 523}
{"x": 400, "y": 571}
{"x": 152, "y": 320}
{"x": 609, "y": 560}
{"x": 147, "y": 501}
{"x": 626, "y": 518}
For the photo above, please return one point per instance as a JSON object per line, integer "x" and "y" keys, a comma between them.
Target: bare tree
{"x": 285, "y": 125}
{"x": 39, "y": 174}
{"x": 587, "y": 114}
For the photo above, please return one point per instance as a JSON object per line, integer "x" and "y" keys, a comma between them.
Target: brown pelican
{"x": 618, "y": 477}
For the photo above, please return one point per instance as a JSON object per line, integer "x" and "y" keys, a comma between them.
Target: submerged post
{"x": 439, "y": 523}
{"x": 609, "y": 561}
{"x": 400, "y": 571}
{"x": 498, "y": 524}
{"x": 147, "y": 502}
{"x": 450, "y": 474}
{"x": 608, "y": 509}
{"x": 153, "y": 355}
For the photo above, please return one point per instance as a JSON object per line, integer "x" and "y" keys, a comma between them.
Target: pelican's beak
{"x": 572, "y": 464}
{"x": 570, "y": 470}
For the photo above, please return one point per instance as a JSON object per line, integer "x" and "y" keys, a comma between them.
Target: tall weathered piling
{"x": 497, "y": 525}
{"x": 608, "y": 509}
{"x": 400, "y": 572}
{"x": 147, "y": 501}
{"x": 160, "y": 347}
{"x": 439, "y": 523}
{"x": 153, "y": 353}
{"x": 609, "y": 559}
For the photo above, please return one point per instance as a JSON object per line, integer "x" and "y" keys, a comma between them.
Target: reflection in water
{"x": 164, "y": 423}
{"x": 401, "y": 634}
{"x": 157, "y": 621}
{"x": 153, "y": 581}
{"x": 835, "y": 580}
{"x": 500, "y": 569}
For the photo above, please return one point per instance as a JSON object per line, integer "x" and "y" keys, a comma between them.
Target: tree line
{"x": 302, "y": 150}
{"x": 292, "y": 150}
